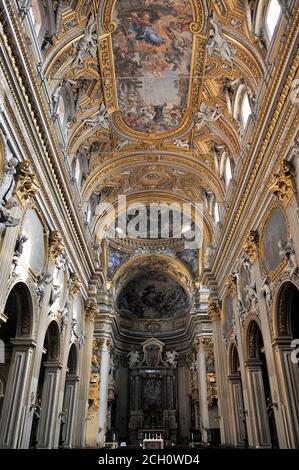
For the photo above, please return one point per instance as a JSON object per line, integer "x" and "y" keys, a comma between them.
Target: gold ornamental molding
{"x": 109, "y": 26}
{"x": 231, "y": 284}
{"x": 91, "y": 310}
{"x": 282, "y": 184}
{"x": 106, "y": 28}
{"x": 33, "y": 112}
{"x": 251, "y": 245}
{"x": 235, "y": 217}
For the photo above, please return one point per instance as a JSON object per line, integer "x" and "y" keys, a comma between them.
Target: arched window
{"x": 245, "y": 109}
{"x": 36, "y": 16}
{"x": 272, "y": 16}
{"x": 216, "y": 213}
{"x": 228, "y": 171}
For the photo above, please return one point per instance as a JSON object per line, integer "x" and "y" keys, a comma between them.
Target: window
{"x": 245, "y": 109}
{"x": 272, "y": 16}
{"x": 228, "y": 171}
{"x": 216, "y": 213}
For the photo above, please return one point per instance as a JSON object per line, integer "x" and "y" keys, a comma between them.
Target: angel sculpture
{"x": 206, "y": 115}
{"x": 99, "y": 119}
{"x": 171, "y": 357}
{"x": 218, "y": 42}
{"x": 286, "y": 249}
{"x": 88, "y": 43}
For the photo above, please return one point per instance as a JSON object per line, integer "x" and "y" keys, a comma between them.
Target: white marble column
{"x": 221, "y": 374}
{"x": 103, "y": 393}
{"x": 14, "y": 406}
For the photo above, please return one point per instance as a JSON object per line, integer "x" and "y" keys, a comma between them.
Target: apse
{"x": 152, "y": 295}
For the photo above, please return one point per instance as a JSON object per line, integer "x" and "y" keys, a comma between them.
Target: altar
{"x": 152, "y": 441}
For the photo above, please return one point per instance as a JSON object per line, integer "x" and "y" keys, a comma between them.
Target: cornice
{"x": 233, "y": 216}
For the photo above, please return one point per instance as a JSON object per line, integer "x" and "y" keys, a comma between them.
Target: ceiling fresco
{"x": 152, "y": 295}
{"x": 152, "y": 49}
{"x": 150, "y": 90}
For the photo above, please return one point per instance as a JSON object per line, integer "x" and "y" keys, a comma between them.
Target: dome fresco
{"x": 152, "y": 295}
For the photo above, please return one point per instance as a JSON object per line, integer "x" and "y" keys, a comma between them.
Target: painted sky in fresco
{"x": 152, "y": 48}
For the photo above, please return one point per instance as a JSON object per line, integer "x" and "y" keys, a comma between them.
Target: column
{"x": 82, "y": 419}
{"x": 14, "y": 407}
{"x": 103, "y": 392}
{"x": 202, "y": 388}
{"x": 49, "y": 406}
{"x": 182, "y": 402}
{"x": 214, "y": 311}
{"x": 122, "y": 402}
{"x": 68, "y": 410}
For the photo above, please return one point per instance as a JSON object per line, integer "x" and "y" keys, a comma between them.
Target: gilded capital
{"x": 214, "y": 310}
{"x": 56, "y": 244}
{"x": 26, "y": 183}
{"x": 282, "y": 184}
{"x": 91, "y": 309}
{"x": 231, "y": 284}
{"x": 251, "y": 245}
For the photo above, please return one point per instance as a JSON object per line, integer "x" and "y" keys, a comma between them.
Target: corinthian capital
{"x": 214, "y": 310}
{"x": 282, "y": 184}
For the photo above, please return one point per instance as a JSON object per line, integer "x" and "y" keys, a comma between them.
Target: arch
{"x": 72, "y": 362}
{"x": 52, "y": 342}
{"x": 286, "y": 304}
{"x": 19, "y": 308}
{"x": 234, "y": 361}
{"x": 254, "y": 340}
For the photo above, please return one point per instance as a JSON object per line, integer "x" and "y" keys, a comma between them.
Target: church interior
{"x": 149, "y": 224}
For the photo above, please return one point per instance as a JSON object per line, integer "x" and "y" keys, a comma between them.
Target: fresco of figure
{"x": 144, "y": 30}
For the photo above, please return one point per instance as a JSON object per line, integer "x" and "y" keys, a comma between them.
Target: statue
{"x": 209, "y": 253}
{"x": 251, "y": 295}
{"x": 286, "y": 249}
{"x": 245, "y": 261}
{"x": 217, "y": 41}
{"x": 99, "y": 120}
{"x": 88, "y": 43}
{"x": 55, "y": 293}
{"x": 266, "y": 290}
{"x": 56, "y": 97}
{"x": 6, "y": 219}
{"x": 7, "y": 179}
{"x": 19, "y": 248}
{"x": 206, "y": 115}
{"x": 64, "y": 316}
{"x": 134, "y": 358}
{"x": 180, "y": 144}
{"x": 44, "y": 280}
{"x": 170, "y": 360}
{"x": 122, "y": 145}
